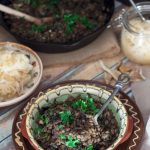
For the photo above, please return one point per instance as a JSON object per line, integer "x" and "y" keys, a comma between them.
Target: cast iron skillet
{"x": 60, "y": 48}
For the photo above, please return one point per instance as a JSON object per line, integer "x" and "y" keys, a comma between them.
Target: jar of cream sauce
{"x": 135, "y": 35}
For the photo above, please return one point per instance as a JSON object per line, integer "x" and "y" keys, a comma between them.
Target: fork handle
{"x": 122, "y": 79}
{"x": 118, "y": 87}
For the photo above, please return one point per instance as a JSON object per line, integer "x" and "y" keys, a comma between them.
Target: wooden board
{"x": 131, "y": 144}
{"x": 93, "y": 51}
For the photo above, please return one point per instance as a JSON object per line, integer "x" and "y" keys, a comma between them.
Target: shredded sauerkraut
{"x": 15, "y": 72}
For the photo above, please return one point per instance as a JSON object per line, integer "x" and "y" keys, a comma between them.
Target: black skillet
{"x": 60, "y": 48}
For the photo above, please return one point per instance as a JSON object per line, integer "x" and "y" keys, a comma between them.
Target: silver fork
{"x": 122, "y": 79}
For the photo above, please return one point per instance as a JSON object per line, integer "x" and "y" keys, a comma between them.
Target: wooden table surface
{"x": 89, "y": 71}
{"x": 74, "y": 72}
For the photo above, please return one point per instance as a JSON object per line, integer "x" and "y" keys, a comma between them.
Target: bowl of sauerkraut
{"x": 20, "y": 72}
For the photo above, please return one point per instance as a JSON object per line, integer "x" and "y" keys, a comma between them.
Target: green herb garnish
{"x": 72, "y": 19}
{"x": 69, "y": 141}
{"x": 72, "y": 142}
{"x": 66, "y": 117}
{"x": 86, "y": 22}
{"x": 44, "y": 118}
{"x": 92, "y": 105}
{"x": 60, "y": 126}
{"x": 62, "y": 136}
{"x": 81, "y": 104}
{"x": 89, "y": 147}
{"x": 38, "y": 28}
{"x": 86, "y": 105}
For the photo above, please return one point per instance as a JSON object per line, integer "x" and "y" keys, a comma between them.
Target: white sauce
{"x": 137, "y": 46}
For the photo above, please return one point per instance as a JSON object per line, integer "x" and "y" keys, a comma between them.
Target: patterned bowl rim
{"x": 39, "y": 99}
{"x": 36, "y": 83}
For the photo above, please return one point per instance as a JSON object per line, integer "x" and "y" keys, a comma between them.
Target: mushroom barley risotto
{"x": 71, "y": 19}
{"x": 70, "y": 126}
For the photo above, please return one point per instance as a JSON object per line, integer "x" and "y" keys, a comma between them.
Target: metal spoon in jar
{"x": 137, "y": 10}
{"x": 122, "y": 79}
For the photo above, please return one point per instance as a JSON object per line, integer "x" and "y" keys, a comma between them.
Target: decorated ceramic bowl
{"x": 20, "y": 72}
{"x": 60, "y": 94}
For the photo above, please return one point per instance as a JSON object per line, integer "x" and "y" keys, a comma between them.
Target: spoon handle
{"x": 137, "y": 10}
{"x": 27, "y": 17}
{"x": 122, "y": 79}
{"x": 17, "y": 13}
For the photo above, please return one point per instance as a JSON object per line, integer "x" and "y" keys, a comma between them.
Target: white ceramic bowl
{"x": 61, "y": 94}
{"x": 38, "y": 68}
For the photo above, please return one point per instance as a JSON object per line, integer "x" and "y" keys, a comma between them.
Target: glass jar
{"x": 135, "y": 35}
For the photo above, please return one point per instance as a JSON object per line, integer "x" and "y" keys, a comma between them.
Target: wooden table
{"x": 91, "y": 71}
{"x": 82, "y": 71}
{"x": 88, "y": 71}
